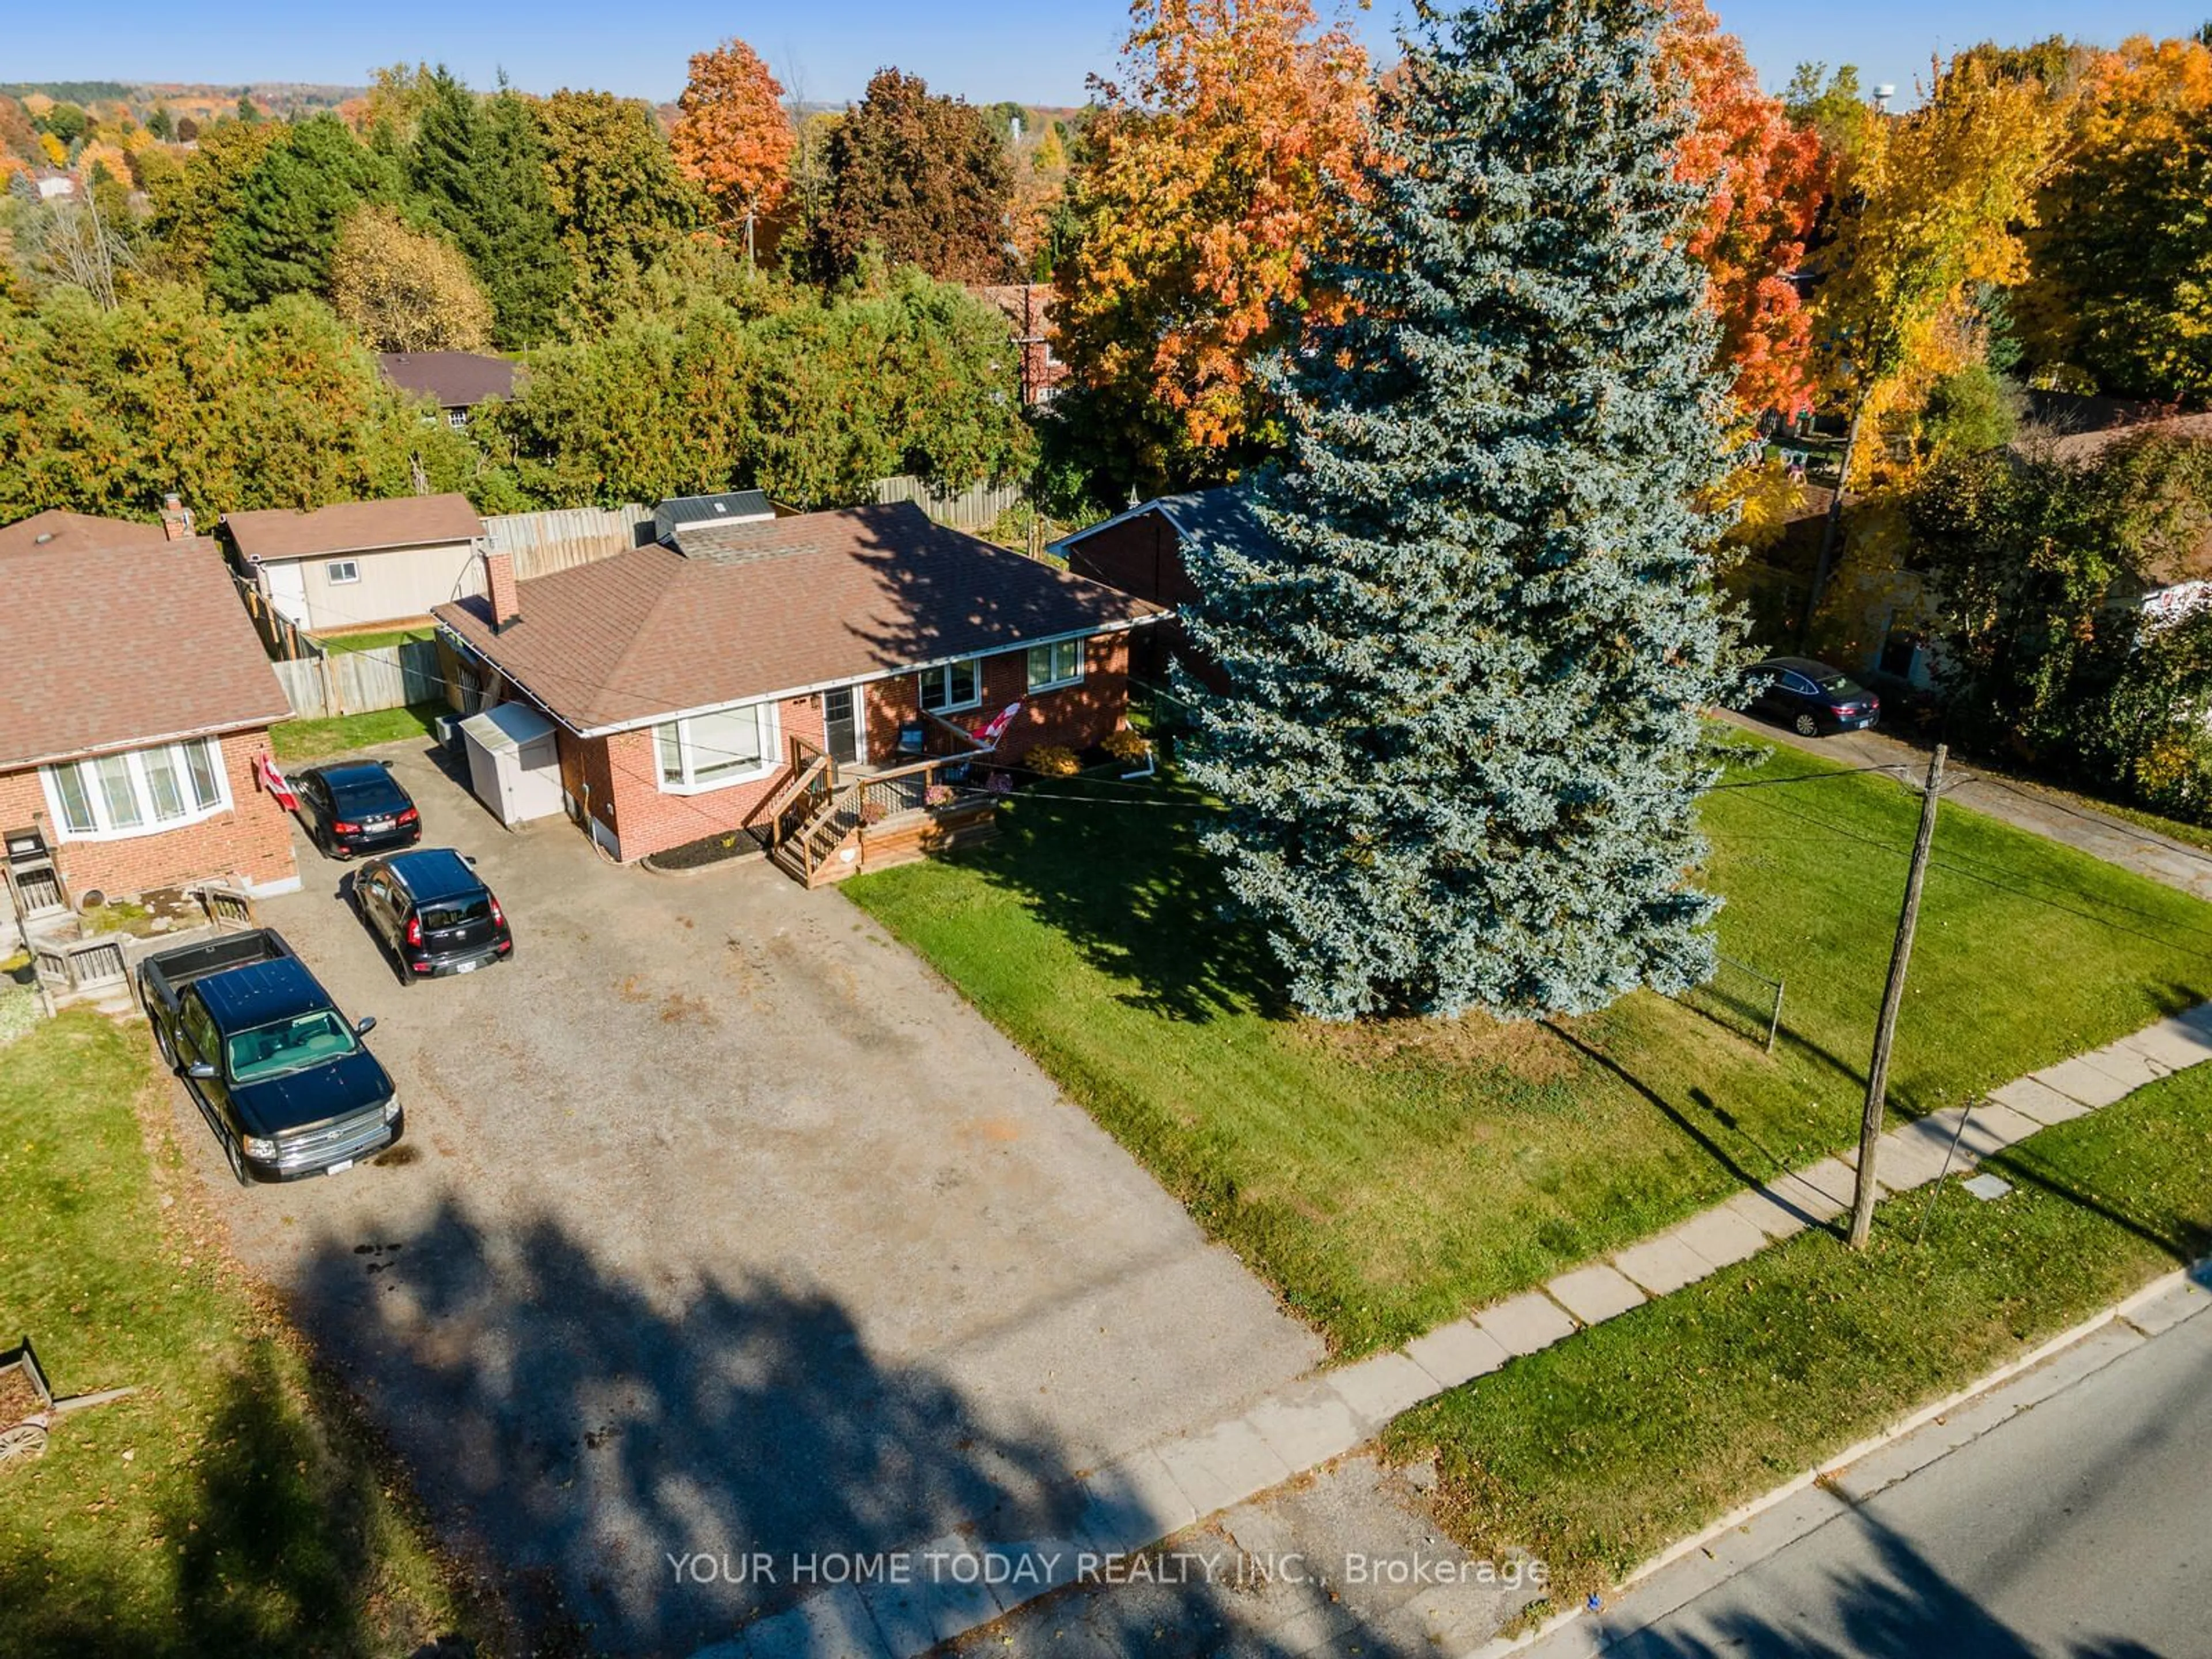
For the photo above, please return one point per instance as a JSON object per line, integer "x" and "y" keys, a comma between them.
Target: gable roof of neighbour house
{"x": 1223, "y": 514}
{"x": 455, "y": 379}
{"x": 730, "y": 507}
{"x": 59, "y": 531}
{"x": 747, "y": 612}
{"x": 135, "y": 641}
{"x": 353, "y": 527}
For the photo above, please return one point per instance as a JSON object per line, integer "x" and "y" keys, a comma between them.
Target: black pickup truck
{"x": 279, "y": 1073}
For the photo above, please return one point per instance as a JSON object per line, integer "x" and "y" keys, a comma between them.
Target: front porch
{"x": 831, "y": 819}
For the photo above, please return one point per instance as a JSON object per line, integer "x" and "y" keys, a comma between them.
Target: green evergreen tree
{"x": 1461, "y": 748}
{"x": 479, "y": 168}
{"x": 280, "y": 238}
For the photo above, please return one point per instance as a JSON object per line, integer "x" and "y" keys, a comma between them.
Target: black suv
{"x": 432, "y": 912}
{"x": 357, "y": 808}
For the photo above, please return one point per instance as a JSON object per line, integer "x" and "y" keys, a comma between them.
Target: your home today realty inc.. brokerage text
{"x": 1048, "y": 1568}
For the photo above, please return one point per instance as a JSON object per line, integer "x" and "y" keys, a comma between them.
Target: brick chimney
{"x": 176, "y": 518}
{"x": 505, "y": 595}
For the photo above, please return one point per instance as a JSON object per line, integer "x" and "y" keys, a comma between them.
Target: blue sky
{"x": 1033, "y": 51}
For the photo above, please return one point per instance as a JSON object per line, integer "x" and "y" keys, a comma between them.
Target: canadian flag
{"x": 989, "y": 733}
{"x": 277, "y": 784}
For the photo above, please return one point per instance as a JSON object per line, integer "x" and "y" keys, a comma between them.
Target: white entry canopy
{"x": 514, "y": 762}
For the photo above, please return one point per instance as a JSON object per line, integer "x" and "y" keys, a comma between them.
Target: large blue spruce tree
{"x": 1461, "y": 746}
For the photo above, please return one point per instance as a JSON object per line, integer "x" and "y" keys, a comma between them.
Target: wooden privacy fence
{"x": 360, "y": 681}
{"x": 977, "y": 507}
{"x": 543, "y": 543}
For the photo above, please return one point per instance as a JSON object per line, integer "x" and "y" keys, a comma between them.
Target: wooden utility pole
{"x": 1885, "y": 1030}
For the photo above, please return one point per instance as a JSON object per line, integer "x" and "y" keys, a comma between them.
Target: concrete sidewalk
{"x": 2046, "y": 812}
{"x": 961, "y": 1581}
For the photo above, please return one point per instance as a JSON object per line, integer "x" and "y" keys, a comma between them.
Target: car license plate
{"x": 377, "y": 825}
{"x": 338, "y": 1167}
{"x": 466, "y": 967}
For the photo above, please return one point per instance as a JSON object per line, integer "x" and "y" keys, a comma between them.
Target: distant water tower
{"x": 1883, "y": 94}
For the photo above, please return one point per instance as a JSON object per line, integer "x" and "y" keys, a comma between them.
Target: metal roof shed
{"x": 514, "y": 762}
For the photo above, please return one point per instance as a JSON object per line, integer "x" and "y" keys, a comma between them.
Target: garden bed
{"x": 726, "y": 847}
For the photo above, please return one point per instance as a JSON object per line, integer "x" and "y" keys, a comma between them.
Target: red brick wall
{"x": 1076, "y": 715}
{"x": 253, "y": 840}
{"x": 624, "y": 775}
{"x": 1141, "y": 556}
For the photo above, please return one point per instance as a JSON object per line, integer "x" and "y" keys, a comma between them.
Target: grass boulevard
{"x": 1387, "y": 1176}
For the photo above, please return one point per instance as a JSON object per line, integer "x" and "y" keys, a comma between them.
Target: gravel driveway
{"x": 723, "y": 1226}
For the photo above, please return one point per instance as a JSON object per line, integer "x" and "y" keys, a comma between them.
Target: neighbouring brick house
{"x": 1141, "y": 552}
{"x": 136, "y": 700}
{"x": 697, "y": 688}
{"x": 1027, "y": 309}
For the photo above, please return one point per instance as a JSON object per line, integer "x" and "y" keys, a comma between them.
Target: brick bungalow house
{"x": 137, "y": 698}
{"x": 748, "y": 675}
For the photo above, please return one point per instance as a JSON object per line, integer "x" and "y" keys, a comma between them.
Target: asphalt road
{"x": 2082, "y": 1526}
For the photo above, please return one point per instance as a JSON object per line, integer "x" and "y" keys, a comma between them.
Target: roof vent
{"x": 42, "y": 539}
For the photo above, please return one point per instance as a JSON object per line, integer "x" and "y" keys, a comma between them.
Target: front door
{"x": 840, "y": 724}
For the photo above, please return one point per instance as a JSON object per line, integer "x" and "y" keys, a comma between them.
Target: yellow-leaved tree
{"x": 404, "y": 290}
{"x": 1930, "y": 212}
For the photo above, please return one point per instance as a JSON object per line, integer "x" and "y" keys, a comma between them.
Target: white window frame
{"x": 458, "y": 419}
{"x": 331, "y": 568}
{"x": 1054, "y": 682}
{"x": 770, "y": 716}
{"x": 942, "y": 674}
{"x": 133, "y": 764}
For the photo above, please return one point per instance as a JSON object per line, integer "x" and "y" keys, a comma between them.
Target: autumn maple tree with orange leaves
{"x": 1204, "y": 194}
{"x": 733, "y": 135}
{"x": 1768, "y": 178}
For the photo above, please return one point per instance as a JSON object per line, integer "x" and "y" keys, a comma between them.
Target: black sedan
{"x": 432, "y": 913}
{"x": 357, "y": 808}
{"x": 1810, "y": 698}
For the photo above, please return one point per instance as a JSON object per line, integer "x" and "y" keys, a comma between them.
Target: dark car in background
{"x": 282, "y": 1077}
{"x": 432, "y": 912}
{"x": 357, "y": 808}
{"x": 1809, "y": 697}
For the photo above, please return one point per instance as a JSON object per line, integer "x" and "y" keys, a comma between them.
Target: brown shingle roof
{"x": 457, "y": 379}
{"x": 353, "y": 527}
{"x": 127, "y": 645}
{"x": 55, "y": 530}
{"x": 815, "y": 599}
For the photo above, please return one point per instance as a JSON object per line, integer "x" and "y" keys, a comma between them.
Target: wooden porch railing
{"x": 859, "y": 802}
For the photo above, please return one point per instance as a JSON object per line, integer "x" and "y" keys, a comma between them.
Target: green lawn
{"x": 338, "y": 644}
{"x": 231, "y": 1506}
{"x": 1386, "y": 1177}
{"x": 306, "y": 740}
{"x": 1596, "y": 1454}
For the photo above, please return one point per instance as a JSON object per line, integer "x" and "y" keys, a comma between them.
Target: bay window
{"x": 1058, "y": 664}
{"x": 954, "y": 685}
{"x": 713, "y": 750}
{"x": 138, "y": 792}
